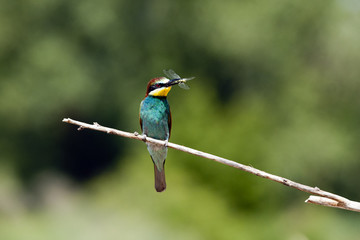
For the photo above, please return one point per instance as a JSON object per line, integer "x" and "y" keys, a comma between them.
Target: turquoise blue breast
{"x": 155, "y": 113}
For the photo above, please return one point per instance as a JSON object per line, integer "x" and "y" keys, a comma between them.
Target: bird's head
{"x": 161, "y": 86}
{"x": 158, "y": 87}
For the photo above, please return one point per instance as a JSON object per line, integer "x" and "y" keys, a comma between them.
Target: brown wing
{"x": 141, "y": 124}
{"x": 169, "y": 122}
{"x": 140, "y": 116}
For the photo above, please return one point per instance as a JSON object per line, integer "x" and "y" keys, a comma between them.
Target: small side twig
{"x": 322, "y": 197}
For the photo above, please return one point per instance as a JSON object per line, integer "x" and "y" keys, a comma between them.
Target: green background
{"x": 277, "y": 87}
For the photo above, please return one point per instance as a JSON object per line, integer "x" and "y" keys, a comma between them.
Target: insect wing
{"x": 171, "y": 74}
{"x": 184, "y": 86}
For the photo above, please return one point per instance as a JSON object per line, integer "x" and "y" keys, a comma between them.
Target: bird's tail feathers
{"x": 160, "y": 183}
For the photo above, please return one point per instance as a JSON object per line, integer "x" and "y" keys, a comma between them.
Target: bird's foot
{"x": 166, "y": 143}
{"x": 143, "y": 136}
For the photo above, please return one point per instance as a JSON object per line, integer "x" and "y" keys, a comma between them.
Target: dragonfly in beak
{"x": 175, "y": 79}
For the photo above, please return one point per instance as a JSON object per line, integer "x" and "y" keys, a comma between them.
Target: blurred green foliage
{"x": 276, "y": 87}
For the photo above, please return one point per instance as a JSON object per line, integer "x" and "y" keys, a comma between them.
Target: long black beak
{"x": 173, "y": 82}
{"x": 178, "y": 81}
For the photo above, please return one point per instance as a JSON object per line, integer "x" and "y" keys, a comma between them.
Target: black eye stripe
{"x": 155, "y": 86}
{"x": 158, "y": 85}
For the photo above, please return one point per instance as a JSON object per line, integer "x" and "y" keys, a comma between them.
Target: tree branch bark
{"x": 322, "y": 197}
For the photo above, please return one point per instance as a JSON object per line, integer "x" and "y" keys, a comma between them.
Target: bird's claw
{"x": 143, "y": 136}
{"x": 166, "y": 143}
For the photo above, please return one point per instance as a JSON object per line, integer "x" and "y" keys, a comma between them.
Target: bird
{"x": 155, "y": 120}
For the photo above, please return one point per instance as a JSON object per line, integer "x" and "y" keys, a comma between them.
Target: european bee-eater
{"x": 155, "y": 120}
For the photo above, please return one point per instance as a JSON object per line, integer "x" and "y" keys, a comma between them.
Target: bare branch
{"x": 348, "y": 205}
{"x": 323, "y": 198}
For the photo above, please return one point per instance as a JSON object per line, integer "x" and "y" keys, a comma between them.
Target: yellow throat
{"x": 160, "y": 92}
